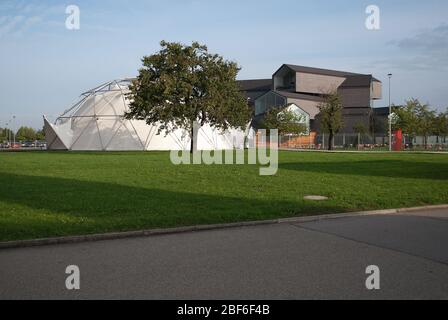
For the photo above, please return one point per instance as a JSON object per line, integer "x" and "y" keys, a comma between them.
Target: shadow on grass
{"x": 380, "y": 168}
{"x": 59, "y": 206}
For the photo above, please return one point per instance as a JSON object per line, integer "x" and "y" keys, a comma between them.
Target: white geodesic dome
{"x": 96, "y": 122}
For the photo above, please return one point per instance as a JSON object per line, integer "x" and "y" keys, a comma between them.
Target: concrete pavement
{"x": 308, "y": 260}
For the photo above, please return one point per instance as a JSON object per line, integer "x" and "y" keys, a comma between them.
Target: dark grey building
{"x": 252, "y": 89}
{"x": 306, "y": 88}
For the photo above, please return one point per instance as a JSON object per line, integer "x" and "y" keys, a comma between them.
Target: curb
{"x": 166, "y": 231}
{"x": 128, "y": 234}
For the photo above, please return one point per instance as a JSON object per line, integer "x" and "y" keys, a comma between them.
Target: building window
{"x": 268, "y": 101}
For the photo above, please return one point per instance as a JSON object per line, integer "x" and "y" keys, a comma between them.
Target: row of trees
{"x": 23, "y": 134}
{"x": 413, "y": 118}
{"x": 417, "y": 119}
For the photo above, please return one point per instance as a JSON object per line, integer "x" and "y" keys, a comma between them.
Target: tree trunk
{"x": 330, "y": 140}
{"x": 191, "y": 139}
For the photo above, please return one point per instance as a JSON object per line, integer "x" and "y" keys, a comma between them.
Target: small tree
{"x": 441, "y": 125}
{"x": 426, "y": 121}
{"x": 330, "y": 116}
{"x": 406, "y": 118}
{"x": 360, "y": 129}
{"x": 181, "y": 85}
{"x": 284, "y": 120}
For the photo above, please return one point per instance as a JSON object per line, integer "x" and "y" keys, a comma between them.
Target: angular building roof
{"x": 357, "y": 81}
{"x": 327, "y": 72}
{"x": 255, "y": 84}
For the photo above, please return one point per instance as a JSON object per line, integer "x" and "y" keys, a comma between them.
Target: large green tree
{"x": 184, "y": 84}
{"x": 284, "y": 120}
{"x": 330, "y": 116}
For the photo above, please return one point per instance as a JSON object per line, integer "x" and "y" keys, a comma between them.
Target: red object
{"x": 398, "y": 143}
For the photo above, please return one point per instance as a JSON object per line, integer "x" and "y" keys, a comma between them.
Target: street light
{"x": 7, "y": 131}
{"x": 13, "y": 118}
{"x": 390, "y": 116}
{"x": 11, "y": 134}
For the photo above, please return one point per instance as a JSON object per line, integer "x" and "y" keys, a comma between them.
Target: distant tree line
{"x": 417, "y": 119}
{"x": 413, "y": 118}
{"x": 23, "y": 134}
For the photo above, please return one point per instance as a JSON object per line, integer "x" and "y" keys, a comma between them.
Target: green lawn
{"x": 63, "y": 193}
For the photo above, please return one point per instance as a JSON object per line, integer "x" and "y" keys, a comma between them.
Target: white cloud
{"x": 10, "y": 24}
{"x": 27, "y": 24}
{"x": 25, "y": 15}
{"x": 425, "y": 50}
{"x": 429, "y": 40}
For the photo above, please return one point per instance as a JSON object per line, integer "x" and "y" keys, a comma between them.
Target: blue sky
{"x": 44, "y": 66}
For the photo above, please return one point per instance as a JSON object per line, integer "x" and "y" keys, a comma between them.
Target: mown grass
{"x": 45, "y": 194}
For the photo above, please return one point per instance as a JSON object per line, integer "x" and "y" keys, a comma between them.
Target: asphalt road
{"x": 313, "y": 260}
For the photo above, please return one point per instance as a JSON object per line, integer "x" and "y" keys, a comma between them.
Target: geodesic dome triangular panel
{"x": 86, "y": 134}
{"x": 125, "y": 138}
{"x": 54, "y": 142}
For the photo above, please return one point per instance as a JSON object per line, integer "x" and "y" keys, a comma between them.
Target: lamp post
{"x": 13, "y": 118}
{"x": 7, "y": 132}
{"x": 390, "y": 116}
{"x": 11, "y": 134}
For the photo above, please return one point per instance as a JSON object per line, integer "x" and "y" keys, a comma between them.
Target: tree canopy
{"x": 40, "y": 134}
{"x": 26, "y": 133}
{"x": 360, "y": 128}
{"x": 284, "y": 120}
{"x": 441, "y": 124}
{"x": 184, "y": 84}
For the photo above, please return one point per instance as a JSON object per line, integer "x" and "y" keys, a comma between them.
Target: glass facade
{"x": 268, "y": 101}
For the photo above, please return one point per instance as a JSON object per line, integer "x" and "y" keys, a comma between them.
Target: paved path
{"x": 321, "y": 259}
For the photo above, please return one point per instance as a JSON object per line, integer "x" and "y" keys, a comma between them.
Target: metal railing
{"x": 365, "y": 142}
